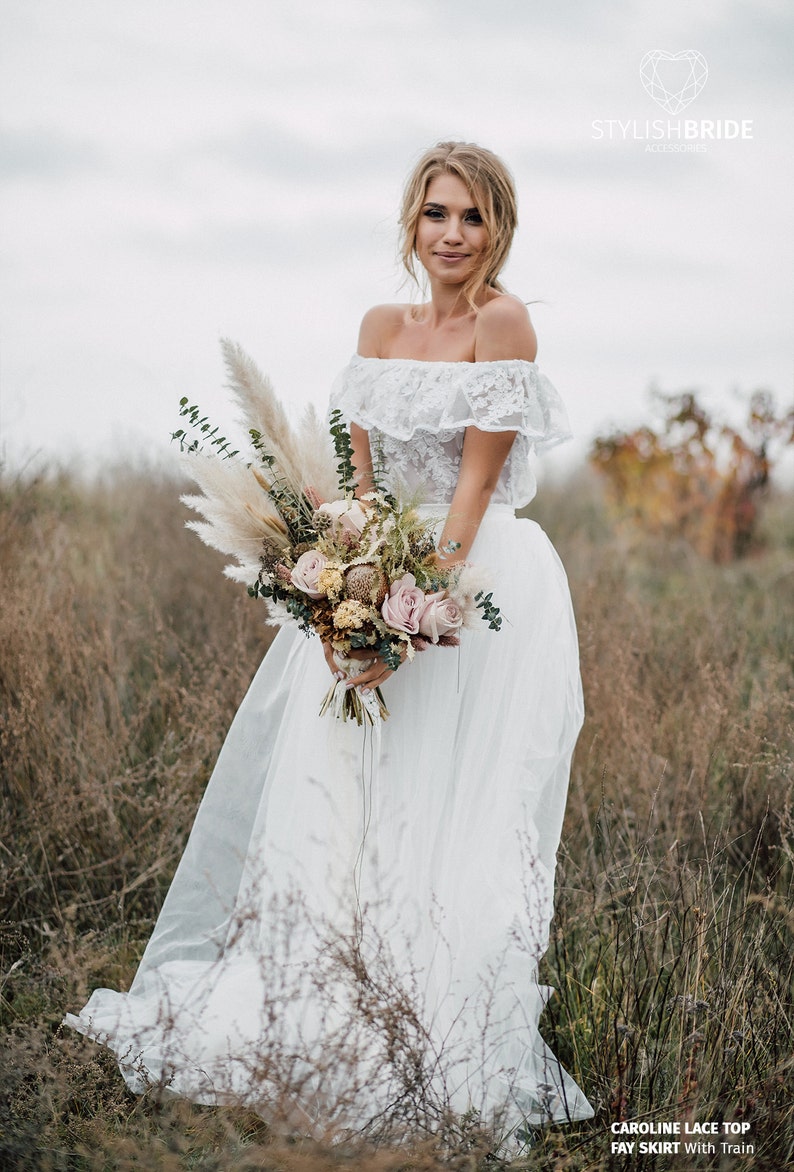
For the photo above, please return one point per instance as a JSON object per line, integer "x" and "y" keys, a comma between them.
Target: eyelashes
{"x": 472, "y": 216}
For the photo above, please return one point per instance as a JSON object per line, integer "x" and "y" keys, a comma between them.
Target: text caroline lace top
{"x": 416, "y": 413}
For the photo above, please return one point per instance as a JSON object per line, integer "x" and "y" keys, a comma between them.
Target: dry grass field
{"x": 124, "y": 656}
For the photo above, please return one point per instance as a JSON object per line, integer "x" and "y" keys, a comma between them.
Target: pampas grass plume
{"x": 237, "y": 512}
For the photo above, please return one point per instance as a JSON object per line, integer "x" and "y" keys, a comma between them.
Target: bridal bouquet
{"x": 361, "y": 572}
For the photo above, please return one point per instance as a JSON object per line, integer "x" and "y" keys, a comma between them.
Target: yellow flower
{"x": 350, "y": 614}
{"x": 331, "y": 581}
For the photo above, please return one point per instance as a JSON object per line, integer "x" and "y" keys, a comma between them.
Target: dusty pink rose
{"x": 307, "y": 571}
{"x": 345, "y": 515}
{"x": 402, "y": 607}
{"x": 440, "y": 615}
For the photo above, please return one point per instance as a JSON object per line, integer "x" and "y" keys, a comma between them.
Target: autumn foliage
{"x": 693, "y": 477}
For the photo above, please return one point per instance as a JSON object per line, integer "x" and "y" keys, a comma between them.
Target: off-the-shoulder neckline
{"x": 445, "y": 362}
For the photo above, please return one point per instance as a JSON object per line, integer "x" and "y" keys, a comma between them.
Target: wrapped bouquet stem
{"x": 348, "y": 703}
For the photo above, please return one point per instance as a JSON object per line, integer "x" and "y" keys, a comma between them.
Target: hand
{"x": 362, "y": 653}
{"x": 375, "y": 674}
{"x": 334, "y": 667}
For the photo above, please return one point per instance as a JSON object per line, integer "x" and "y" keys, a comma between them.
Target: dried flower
{"x": 321, "y": 521}
{"x": 421, "y": 547}
{"x": 367, "y": 583}
{"x": 270, "y": 556}
{"x": 350, "y": 614}
{"x": 331, "y": 581}
{"x": 313, "y": 496}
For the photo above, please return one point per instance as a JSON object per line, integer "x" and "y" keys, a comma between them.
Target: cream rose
{"x": 306, "y": 572}
{"x": 347, "y": 515}
{"x": 440, "y": 615}
{"x": 402, "y": 607}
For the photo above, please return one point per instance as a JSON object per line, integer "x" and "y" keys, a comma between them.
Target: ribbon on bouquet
{"x": 369, "y": 710}
{"x": 347, "y": 703}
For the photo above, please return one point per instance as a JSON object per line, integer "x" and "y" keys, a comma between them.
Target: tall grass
{"x": 124, "y": 656}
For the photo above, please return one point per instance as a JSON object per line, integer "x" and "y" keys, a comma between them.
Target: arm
{"x": 484, "y": 454}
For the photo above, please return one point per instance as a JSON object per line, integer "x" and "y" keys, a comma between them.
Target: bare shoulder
{"x": 504, "y": 330}
{"x": 377, "y": 327}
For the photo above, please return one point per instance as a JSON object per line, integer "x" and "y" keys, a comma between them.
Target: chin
{"x": 449, "y": 277}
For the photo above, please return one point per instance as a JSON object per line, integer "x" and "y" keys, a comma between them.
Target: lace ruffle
{"x": 400, "y": 396}
{"x": 405, "y": 402}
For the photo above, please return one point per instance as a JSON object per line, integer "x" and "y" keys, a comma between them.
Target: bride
{"x": 352, "y": 936}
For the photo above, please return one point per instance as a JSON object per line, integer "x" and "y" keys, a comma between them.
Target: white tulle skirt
{"x": 352, "y": 935}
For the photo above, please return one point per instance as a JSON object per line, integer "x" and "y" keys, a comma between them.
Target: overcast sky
{"x": 174, "y": 171}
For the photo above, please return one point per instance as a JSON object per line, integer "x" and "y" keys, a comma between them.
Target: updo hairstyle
{"x": 493, "y": 191}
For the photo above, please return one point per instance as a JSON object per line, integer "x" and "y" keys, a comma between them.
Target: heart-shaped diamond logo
{"x": 674, "y": 79}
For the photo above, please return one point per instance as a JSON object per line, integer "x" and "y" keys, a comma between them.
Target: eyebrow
{"x": 442, "y": 207}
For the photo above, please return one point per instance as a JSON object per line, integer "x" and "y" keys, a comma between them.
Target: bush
{"x": 692, "y": 477}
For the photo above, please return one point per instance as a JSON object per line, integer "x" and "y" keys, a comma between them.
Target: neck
{"x": 446, "y": 302}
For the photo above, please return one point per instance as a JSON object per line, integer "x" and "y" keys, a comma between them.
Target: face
{"x": 451, "y": 238}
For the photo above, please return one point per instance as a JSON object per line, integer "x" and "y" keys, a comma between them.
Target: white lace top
{"x": 416, "y": 413}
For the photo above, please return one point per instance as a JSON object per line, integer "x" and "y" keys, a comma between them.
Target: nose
{"x": 453, "y": 231}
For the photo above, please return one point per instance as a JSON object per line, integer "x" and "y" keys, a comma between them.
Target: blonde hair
{"x": 491, "y": 186}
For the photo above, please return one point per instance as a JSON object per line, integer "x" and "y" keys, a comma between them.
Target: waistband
{"x": 441, "y": 508}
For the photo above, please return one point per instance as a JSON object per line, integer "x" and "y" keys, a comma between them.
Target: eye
{"x": 473, "y": 216}
{"x": 433, "y": 213}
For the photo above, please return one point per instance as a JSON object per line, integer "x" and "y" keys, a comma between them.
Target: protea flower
{"x": 366, "y": 583}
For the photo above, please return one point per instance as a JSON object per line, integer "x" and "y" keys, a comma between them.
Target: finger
{"x": 370, "y": 678}
{"x": 333, "y": 666}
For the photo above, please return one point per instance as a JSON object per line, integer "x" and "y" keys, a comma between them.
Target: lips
{"x": 452, "y": 255}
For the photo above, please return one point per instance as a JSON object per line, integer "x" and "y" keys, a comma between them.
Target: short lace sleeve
{"x": 400, "y": 396}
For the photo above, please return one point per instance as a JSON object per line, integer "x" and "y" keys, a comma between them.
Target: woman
{"x": 352, "y": 936}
